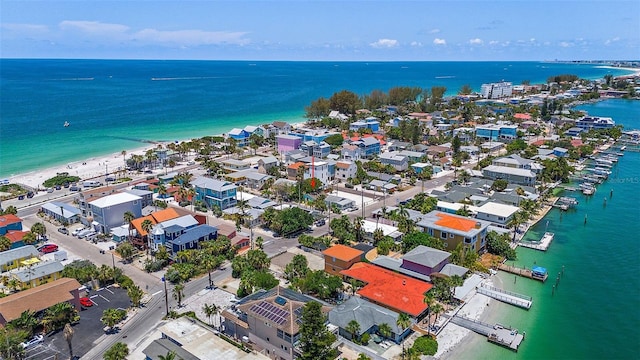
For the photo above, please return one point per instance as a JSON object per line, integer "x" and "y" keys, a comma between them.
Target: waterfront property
{"x": 369, "y": 316}
{"x": 496, "y": 213}
{"x": 455, "y": 229}
{"x": 394, "y": 291}
{"x": 513, "y": 175}
{"x": 496, "y": 90}
{"x": 39, "y": 299}
{"x": 108, "y": 211}
{"x": 269, "y": 320}
{"x": 215, "y": 192}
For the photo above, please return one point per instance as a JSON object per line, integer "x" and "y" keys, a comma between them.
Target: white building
{"x": 345, "y": 170}
{"x": 319, "y": 170}
{"x": 108, "y": 211}
{"x": 496, "y": 90}
{"x": 496, "y": 213}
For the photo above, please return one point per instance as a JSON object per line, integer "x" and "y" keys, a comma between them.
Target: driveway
{"x": 86, "y": 332}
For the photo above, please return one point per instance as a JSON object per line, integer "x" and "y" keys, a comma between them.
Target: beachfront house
{"x": 108, "y": 211}
{"x": 241, "y": 136}
{"x": 454, "y": 229}
{"x": 62, "y": 212}
{"x": 518, "y": 176}
{"x": 215, "y": 192}
{"x": 269, "y": 320}
{"x": 369, "y": 147}
{"x": 496, "y": 213}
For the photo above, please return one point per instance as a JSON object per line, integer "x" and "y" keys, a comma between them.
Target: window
{"x": 451, "y": 236}
{"x": 443, "y": 235}
{"x": 268, "y": 341}
{"x": 467, "y": 240}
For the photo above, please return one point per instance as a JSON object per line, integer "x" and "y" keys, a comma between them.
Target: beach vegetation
{"x": 126, "y": 251}
{"x": 58, "y": 315}
{"x": 315, "y": 338}
{"x": 425, "y": 345}
{"x": 400, "y": 95}
{"x": 9, "y": 210}
{"x": 334, "y": 140}
{"x": 81, "y": 270}
{"x": 345, "y": 101}
{"x": 318, "y": 109}
{"x": 5, "y": 243}
{"x": 60, "y": 179}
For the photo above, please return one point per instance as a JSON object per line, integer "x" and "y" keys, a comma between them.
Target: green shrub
{"x": 426, "y": 345}
{"x": 364, "y": 339}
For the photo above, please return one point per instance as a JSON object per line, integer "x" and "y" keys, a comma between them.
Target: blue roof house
{"x": 191, "y": 238}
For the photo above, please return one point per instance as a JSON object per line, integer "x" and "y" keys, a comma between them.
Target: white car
{"x": 37, "y": 339}
{"x": 76, "y": 231}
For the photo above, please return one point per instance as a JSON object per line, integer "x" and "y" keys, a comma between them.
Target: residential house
{"x": 249, "y": 178}
{"x": 514, "y": 175}
{"x": 14, "y": 258}
{"x": 495, "y": 132}
{"x": 397, "y": 292}
{"x": 455, "y": 229}
{"x": 266, "y": 163}
{"x": 62, "y": 212}
{"x": 281, "y": 127}
{"x": 340, "y": 257}
{"x": 37, "y": 273}
{"x": 395, "y": 159}
{"x": 369, "y": 228}
{"x": 39, "y": 299}
{"x": 190, "y": 238}
{"x": 288, "y": 143}
{"x": 345, "y": 170}
{"x": 369, "y": 317}
{"x": 419, "y": 167}
{"x": 319, "y": 150}
{"x": 339, "y": 202}
{"x": 16, "y": 238}
{"x": 292, "y": 170}
{"x": 159, "y": 348}
{"x": 595, "y": 122}
{"x": 168, "y": 230}
{"x": 335, "y": 114}
{"x": 215, "y": 192}
{"x": 425, "y": 260}
{"x": 351, "y": 152}
{"x": 108, "y": 211}
{"x": 9, "y": 222}
{"x": 560, "y": 152}
{"x": 145, "y": 195}
{"x": 270, "y": 321}
{"x": 369, "y": 147}
{"x": 318, "y": 170}
{"x": 496, "y": 213}
{"x": 241, "y": 136}
{"x": 574, "y": 131}
{"x": 371, "y": 123}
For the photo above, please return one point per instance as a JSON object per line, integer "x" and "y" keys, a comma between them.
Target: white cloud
{"x": 384, "y": 43}
{"x": 93, "y": 27}
{"x": 438, "y": 41}
{"x": 494, "y": 42}
{"x": 434, "y": 31}
{"x": 565, "y": 44}
{"x": 476, "y": 41}
{"x": 610, "y": 41}
{"x": 191, "y": 37}
{"x": 25, "y": 28}
{"x": 416, "y": 44}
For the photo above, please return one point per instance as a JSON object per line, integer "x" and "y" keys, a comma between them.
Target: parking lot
{"x": 86, "y": 332}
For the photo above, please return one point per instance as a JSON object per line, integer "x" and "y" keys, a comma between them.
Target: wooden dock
{"x": 497, "y": 334}
{"x": 522, "y": 272}
{"x": 505, "y": 296}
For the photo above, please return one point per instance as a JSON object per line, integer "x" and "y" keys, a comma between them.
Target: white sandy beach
{"x": 85, "y": 169}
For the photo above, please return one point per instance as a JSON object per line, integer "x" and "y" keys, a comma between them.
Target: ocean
{"x": 115, "y": 105}
{"x": 594, "y": 312}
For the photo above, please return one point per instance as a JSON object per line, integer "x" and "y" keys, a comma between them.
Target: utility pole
{"x": 166, "y": 296}
{"x": 113, "y": 262}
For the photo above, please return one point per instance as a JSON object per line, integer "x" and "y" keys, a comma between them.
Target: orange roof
{"x": 455, "y": 222}
{"x": 296, "y": 165}
{"x": 137, "y": 224}
{"x": 342, "y": 165}
{"x": 15, "y": 236}
{"x": 576, "y": 142}
{"x": 538, "y": 143}
{"x": 9, "y": 219}
{"x": 342, "y": 252}
{"x": 522, "y": 116}
{"x": 396, "y": 291}
{"x": 164, "y": 215}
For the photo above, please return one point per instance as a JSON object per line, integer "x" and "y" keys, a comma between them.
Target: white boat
{"x": 623, "y": 148}
{"x": 66, "y": 124}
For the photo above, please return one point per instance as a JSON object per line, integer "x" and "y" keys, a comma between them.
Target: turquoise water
{"x": 594, "y": 312}
{"x": 114, "y": 105}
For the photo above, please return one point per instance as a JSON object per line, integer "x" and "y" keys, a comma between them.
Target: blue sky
{"x": 321, "y": 30}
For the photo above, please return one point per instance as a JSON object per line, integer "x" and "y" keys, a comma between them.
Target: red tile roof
{"x": 342, "y": 252}
{"x": 522, "y": 116}
{"x": 395, "y": 291}
{"x": 296, "y": 165}
{"x": 455, "y": 222}
{"x": 9, "y": 219}
{"x": 164, "y": 215}
{"x": 15, "y": 236}
{"x": 137, "y": 224}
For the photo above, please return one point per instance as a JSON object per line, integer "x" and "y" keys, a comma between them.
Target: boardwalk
{"x": 541, "y": 245}
{"x": 508, "y": 297}
{"x": 522, "y": 272}
{"x": 497, "y": 333}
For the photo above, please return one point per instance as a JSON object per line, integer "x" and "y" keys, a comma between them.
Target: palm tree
{"x": 385, "y": 330}
{"x": 126, "y": 251}
{"x": 118, "y": 351}
{"x": 39, "y": 229}
{"x": 403, "y": 321}
{"x": 429, "y": 300}
{"x": 68, "y": 336}
{"x": 170, "y": 356}
{"x": 209, "y": 311}
{"x": 437, "y": 309}
{"x": 362, "y": 356}
{"x": 209, "y": 262}
{"x": 27, "y": 321}
{"x": 105, "y": 273}
{"x": 178, "y": 293}
{"x": 57, "y": 315}
{"x": 353, "y": 328}
{"x": 135, "y": 294}
{"x": 29, "y": 238}
{"x": 5, "y": 243}
{"x": 357, "y": 226}
{"x": 147, "y": 225}
{"x": 124, "y": 158}
{"x": 128, "y": 218}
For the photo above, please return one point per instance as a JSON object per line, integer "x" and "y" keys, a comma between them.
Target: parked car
{"x": 35, "y": 340}
{"x": 83, "y": 233}
{"x": 30, "y": 194}
{"x": 58, "y": 187}
{"x": 87, "y": 234}
{"x": 63, "y": 230}
{"x": 74, "y": 188}
{"x": 49, "y": 190}
{"x": 76, "y": 231}
{"x": 86, "y": 302}
{"x": 48, "y": 248}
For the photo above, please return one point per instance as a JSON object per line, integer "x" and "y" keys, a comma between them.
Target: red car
{"x": 86, "y": 302}
{"x": 48, "y": 248}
